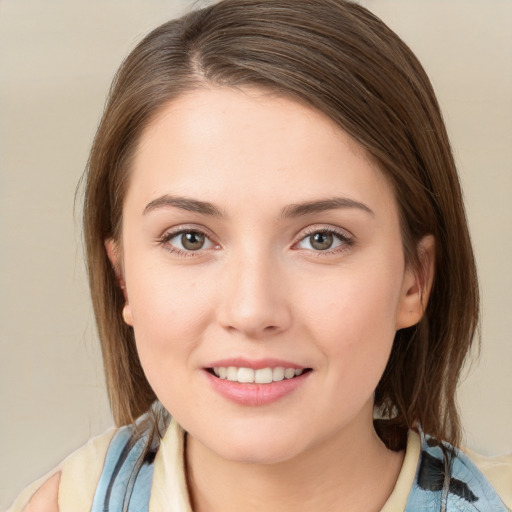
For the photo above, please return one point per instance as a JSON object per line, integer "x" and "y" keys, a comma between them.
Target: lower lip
{"x": 255, "y": 394}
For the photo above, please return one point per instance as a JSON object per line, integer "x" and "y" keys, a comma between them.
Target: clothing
{"x": 143, "y": 473}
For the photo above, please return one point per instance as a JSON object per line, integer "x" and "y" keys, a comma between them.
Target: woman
{"x": 277, "y": 253}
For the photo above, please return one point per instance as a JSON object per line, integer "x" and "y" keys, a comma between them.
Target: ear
{"x": 417, "y": 285}
{"x": 113, "y": 255}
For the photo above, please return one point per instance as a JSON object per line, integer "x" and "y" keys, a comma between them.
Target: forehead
{"x": 228, "y": 145}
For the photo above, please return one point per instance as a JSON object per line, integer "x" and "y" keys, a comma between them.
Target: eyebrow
{"x": 296, "y": 210}
{"x": 184, "y": 203}
{"x": 292, "y": 210}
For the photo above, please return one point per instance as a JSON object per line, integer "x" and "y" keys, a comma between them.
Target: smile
{"x": 259, "y": 376}
{"x": 256, "y": 383}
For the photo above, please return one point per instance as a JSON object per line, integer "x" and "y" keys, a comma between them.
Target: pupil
{"x": 192, "y": 241}
{"x": 322, "y": 241}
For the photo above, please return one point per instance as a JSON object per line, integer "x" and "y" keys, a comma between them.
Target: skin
{"x": 258, "y": 288}
{"x": 45, "y": 499}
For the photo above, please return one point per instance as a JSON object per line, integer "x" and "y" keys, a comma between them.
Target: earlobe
{"x": 127, "y": 314}
{"x": 417, "y": 285}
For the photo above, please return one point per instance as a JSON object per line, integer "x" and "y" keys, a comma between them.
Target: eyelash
{"x": 168, "y": 236}
{"x": 345, "y": 240}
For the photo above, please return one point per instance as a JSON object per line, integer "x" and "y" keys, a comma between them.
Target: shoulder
{"x": 127, "y": 473}
{"x": 81, "y": 472}
{"x": 447, "y": 477}
{"x": 78, "y": 473}
{"x": 45, "y": 499}
{"x": 498, "y": 470}
{"x": 112, "y": 464}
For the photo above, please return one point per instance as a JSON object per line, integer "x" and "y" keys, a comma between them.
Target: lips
{"x": 256, "y": 382}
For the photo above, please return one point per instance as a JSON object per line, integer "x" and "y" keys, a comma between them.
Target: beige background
{"x": 56, "y": 60}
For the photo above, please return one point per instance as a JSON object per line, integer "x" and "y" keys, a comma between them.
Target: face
{"x": 259, "y": 243}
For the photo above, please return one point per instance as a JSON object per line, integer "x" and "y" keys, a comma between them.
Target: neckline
{"x": 169, "y": 489}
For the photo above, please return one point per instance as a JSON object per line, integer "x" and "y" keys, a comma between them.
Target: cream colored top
{"x": 81, "y": 471}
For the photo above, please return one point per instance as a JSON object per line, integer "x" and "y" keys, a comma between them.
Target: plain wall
{"x": 56, "y": 62}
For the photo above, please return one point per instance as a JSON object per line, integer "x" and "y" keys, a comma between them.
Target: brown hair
{"x": 339, "y": 58}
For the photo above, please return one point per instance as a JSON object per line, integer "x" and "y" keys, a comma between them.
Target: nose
{"x": 254, "y": 299}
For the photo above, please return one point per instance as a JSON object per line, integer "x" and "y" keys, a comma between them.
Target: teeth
{"x": 261, "y": 376}
{"x": 232, "y": 373}
{"x": 245, "y": 375}
{"x": 289, "y": 373}
{"x": 278, "y": 373}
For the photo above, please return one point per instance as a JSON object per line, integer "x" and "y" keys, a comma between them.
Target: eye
{"x": 188, "y": 241}
{"x": 324, "y": 240}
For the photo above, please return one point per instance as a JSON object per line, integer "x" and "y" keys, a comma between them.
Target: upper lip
{"x": 255, "y": 364}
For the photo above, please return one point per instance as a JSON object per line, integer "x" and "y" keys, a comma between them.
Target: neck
{"x": 345, "y": 472}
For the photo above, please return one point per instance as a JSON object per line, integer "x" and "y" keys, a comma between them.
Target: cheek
{"x": 352, "y": 318}
{"x": 170, "y": 317}
{"x": 169, "y": 309}
{"x": 350, "y": 302}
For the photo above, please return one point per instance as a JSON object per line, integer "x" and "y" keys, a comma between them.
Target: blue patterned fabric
{"x": 125, "y": 482}
{"x": 446, "y": 479}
